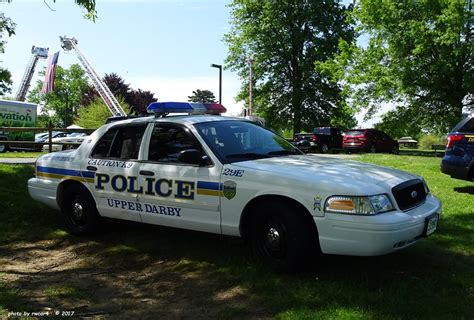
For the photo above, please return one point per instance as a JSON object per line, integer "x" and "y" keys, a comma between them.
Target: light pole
{"x": 219, "y": 66}
{"x": 251, "y": 61}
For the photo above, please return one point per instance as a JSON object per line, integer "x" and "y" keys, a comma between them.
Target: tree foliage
{"x": 419, "y": 55}
{"x": 63, "y": 103}
{"x": 401, "y": 122}
{"x": 95, "y": 114}
{"x": 138, "y": 100}
{"x": 202, "y": 96}
{"x": 7, "y": 28}
{"x": 285, "y": 39}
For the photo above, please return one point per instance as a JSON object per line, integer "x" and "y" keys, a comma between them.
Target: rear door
{"x": 112, "y": 171}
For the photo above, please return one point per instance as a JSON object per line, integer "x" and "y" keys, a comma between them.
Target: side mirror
{"x": 193, "y": 156}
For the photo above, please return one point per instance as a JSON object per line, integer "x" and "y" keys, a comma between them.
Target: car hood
{"x": 318, "y": 168}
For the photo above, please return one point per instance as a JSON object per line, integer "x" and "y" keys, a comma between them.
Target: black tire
{"x": 396, "y": 150}
{"x": 324, "y": 148}
{"x": 3, "y": 148}
{"x": 373, "y": 149}
{"x": 79, "y": 211}
{"x": 282, "y": 238}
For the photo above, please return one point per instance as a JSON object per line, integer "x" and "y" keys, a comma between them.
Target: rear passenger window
{"x": 120, "y": 143}
{"x": 102, "y": 148}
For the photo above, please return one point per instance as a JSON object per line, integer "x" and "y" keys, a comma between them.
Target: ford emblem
{"x": 414, "y": 194}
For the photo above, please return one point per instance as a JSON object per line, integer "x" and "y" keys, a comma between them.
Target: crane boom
{"x": 111, "y": 102}
{"x": 36, "y": 54}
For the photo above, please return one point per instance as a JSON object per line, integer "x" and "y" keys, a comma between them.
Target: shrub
{"x": 427, "y": 141}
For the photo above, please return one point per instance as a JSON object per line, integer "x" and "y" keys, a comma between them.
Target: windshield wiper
{"x": 282, "y": 152}
{"x": 249, "y": 155}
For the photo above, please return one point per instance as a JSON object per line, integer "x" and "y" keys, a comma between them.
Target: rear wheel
{"x": 373, "y": 149}
{"x": 282, "y": 238}
{"x": 79, "y": 211}
{"x": 324, "y": 148}
{"x": 3, "y": 148}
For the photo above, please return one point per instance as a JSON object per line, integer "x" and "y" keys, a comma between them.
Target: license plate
{"x": 431, "y": 224}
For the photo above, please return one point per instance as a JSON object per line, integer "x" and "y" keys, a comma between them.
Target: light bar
{"x": 164, "y": 108}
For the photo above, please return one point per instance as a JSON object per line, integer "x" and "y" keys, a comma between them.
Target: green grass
{"x": 432, "y": 280}
{"x": 21, "y": 154}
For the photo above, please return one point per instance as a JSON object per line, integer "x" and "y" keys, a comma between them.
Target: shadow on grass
{"x": 182, "y": 273}
{"x": 143, "y": 271}
{"x": 467, "y": 189}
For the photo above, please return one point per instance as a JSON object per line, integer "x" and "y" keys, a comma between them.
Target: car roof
{"x": 180, "y": 119}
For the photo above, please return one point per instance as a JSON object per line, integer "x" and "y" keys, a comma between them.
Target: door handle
{"x": 146, "y": 173}
{"x": 91, "y": 168}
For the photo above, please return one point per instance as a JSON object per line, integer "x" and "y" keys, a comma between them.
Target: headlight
{"x": 359, "y": 205}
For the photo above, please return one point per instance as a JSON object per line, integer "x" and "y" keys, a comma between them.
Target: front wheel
{"x": 79, "y": 211}
{"x": 3, "y": 148}
{"x": 282, "y": 238}
{"x": 373, "y": 149}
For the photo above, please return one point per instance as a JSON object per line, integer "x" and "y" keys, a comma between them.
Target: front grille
{"x": 409, "y": 194}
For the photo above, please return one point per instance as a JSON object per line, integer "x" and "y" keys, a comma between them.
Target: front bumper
{"x": 375, "y": 235}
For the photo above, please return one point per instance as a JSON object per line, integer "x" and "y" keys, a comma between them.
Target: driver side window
{"x": 168, "y": 140}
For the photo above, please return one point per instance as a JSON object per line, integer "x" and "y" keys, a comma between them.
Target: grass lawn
{"x": 432, "y": 280}
{"x": 21, "y": 154}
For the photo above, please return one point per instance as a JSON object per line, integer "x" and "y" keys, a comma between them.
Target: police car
{"x": 233, "y": 177}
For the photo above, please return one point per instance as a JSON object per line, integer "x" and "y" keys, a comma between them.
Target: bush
{"x": 427, "y": 141}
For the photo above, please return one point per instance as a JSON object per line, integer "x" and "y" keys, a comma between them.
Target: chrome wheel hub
{"x": 273, "y": 237}
{"x": 77, "y": 211}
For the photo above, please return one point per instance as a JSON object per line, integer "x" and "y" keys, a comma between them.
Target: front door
{"x": 178, "y": 194}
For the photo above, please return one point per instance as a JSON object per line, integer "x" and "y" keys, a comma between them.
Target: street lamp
{"x": 220, "y": 79}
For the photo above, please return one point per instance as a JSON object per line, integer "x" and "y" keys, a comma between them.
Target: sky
{"x": 165, "y": 46}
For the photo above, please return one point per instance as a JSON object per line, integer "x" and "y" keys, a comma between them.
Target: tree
{"x": 202, "y": 96}
{"x": 7, "y": 28}
{"x": 69, "y": 87}
{"x": 419, "y": 55}
{"x": 401, "y": 122}
{"x": 285, "y": 39}
{"x": 95, "y": 114}
{"x": 138, "y": 100}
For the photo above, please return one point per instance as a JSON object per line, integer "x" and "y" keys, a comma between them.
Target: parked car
{"x": 75, "y": 137}
{"x": 306, "y": 142}
{"x": 232, "y": 177}
{"x": 328, "y": 138}
{"x": 458, "y": 161}
{"x": 369, "y": 140}
{"x": 44, "y": 136}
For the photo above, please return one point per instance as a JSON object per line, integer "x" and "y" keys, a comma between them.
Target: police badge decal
{"x": 230, "y": 189}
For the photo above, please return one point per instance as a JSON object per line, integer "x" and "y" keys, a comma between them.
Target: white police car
{"x": 233, "y": 177}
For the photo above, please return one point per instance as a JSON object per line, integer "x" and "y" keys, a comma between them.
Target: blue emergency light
{"x": 164, "y": 108}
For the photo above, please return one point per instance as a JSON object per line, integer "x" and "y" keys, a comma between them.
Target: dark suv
{"x": 306, "y": 142}
{"x": 369, "y": 140}
{"x": 458, "y": 161}
{"x": 328, "y": 138}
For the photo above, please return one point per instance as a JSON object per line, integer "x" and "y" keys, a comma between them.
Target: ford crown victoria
{"x": 233, "y": 177}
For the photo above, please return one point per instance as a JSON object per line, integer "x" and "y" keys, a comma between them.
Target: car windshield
{"x": 355, "y": 133}
{"x": 233, "y": 141}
